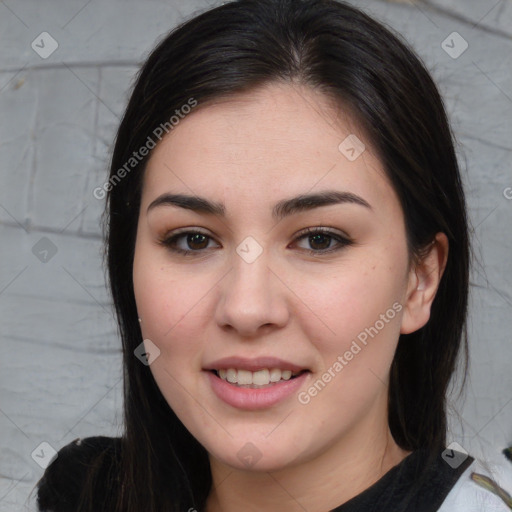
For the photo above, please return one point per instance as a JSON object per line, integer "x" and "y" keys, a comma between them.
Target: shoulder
{"x": 91, "y": 463}
{"x": 484, "y": 486}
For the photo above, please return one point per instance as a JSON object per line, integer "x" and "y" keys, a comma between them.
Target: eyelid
{"x": 186, "y": 230}
{"x": 324, "y": 230}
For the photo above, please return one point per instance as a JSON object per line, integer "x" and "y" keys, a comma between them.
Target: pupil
{"x": 196, "y": 238}
{"x": 316, "y": 238}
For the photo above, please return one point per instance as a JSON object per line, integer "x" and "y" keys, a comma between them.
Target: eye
{"x": 323, "y": 240}
{"x": 194, "y": 242}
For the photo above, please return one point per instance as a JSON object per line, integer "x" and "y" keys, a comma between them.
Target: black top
{"x": 416, "y": 484}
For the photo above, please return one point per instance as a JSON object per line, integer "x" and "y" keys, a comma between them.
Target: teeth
{"x": 275, "y": 375}
{"x": 286, "y": 375}
{"x": 260, "y": 378}
{"x": 244, "y": 377}
{"x": 232, "y": 376}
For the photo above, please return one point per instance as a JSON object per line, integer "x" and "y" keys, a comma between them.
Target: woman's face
{"x": 257, "y": 296}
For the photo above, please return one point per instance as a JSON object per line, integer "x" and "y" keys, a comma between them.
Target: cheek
{"x": 167, "y": 304}
{"x": 354, "y": 360}
{"x": 355, "y": 324}
{"x": 350, "y": 299}
{"x": 173, "y": 320}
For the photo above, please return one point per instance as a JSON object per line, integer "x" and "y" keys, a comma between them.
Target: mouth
{"x": 263, "y": 378}
{"x": 255, "y": 383}
{"x": 255, "y": 390}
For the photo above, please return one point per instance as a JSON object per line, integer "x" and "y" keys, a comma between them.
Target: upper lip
{"x": 253, "y": 365}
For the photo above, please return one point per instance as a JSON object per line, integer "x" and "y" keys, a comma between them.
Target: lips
{"x": 254, "y": 383}
{"x": 254, "y": 365}
{"x": 254, "y": 396}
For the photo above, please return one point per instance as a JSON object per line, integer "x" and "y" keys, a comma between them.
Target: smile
{"x": 254, "y": 380}
{"x": 255, "y": 396}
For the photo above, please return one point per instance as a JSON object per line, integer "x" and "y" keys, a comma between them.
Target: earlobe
{"x": 423, "y": 284}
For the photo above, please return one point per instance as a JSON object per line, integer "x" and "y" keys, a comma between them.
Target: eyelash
{"x": 170, "y": 241}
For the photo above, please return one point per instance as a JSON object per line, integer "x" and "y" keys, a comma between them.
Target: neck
{"x": 345, "y": 469}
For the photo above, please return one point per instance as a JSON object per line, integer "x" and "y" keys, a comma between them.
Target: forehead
{"x": 260, "y": 146}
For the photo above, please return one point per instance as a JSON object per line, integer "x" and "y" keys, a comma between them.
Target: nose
{"x": 253, "y": 300}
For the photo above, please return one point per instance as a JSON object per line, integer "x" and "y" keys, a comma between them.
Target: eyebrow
{"x": 281, "y": 210}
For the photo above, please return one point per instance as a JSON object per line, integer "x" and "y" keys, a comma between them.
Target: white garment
{"x": 467, "y": 496}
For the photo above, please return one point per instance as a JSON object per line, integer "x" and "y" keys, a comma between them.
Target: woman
{"x": 288, "y": 255}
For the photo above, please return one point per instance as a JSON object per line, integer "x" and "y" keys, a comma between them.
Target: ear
{"x": 424, "y": 279}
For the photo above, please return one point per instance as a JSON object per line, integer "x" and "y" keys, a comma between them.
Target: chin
{"x": 260, "y": 463}
{"x": 255, "y": 456}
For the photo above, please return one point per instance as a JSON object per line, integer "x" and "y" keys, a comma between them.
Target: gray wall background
{"x": 60, "y": 374}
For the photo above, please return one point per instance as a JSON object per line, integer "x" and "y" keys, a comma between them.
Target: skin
{"x": 249, "y": 152}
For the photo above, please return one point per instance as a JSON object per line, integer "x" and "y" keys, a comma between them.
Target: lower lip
{"x": 251, "y": 398}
